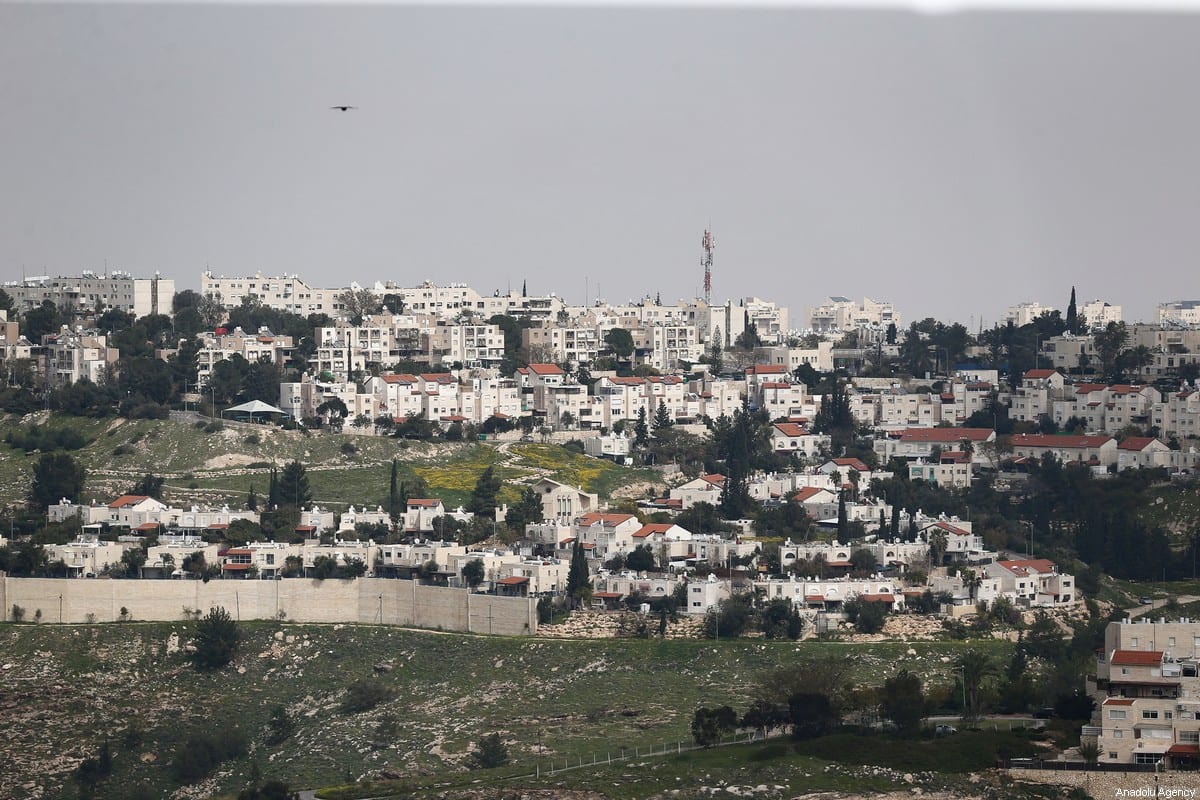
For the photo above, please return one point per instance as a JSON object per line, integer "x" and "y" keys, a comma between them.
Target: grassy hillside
{"x": 220, "y": 466}
{"x": 68, "y": 689}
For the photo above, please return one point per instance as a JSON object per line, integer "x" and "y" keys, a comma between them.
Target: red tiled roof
{"x": 239, "y": 551}
{"x": 513, "y": 580}
{"x": 1118, "y": 701}
{"x": 306, "y": 527}
{"x": 945, "y": 434}
{"x": 238, "y": 567}
{"x": 219, "y": 526}
{"x": 545, "y": 369}
{"x": 766, "y": 369}
{"x": 1088, "y": 388}
{"x": 1043, "y": 440}
{"x": 147, "y": 526}
{"x": 807, "y": 493}
{"x": 1136, "y": 658}
{"x": 790, "y": 429}
{"x": 815, "y": 598}
{"x": 128, "y": 500}
{"x": 424, "y": 502}
{"x": 653, "y": 528}
{"x": 402, "y": 377}
{"x": 1035, "y": 374}
{"x": 853, "y": 463}
{"x": 608, "y": 595}
{"x": 877, "y": 598}
{"x": 1135, "y": 443}
{"x": 715, "y": 478}
{"x": 607, "y": 520}
{"x": 1184, "y": 750}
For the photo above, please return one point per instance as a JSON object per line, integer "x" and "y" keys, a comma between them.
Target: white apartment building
{"x": 115, "y": 289}
{"x": 1034, "y": 583}
{"x": 1179, "y": 312}
{"x": 819, "y": 358}
{"x": 1027, "y": 312}
{"x": 219, "y": 346}
{"x": 1099, "y": 313}
{"x": 1147, "y": 693}
{"x": 73, "y": 355}
{"x": 283, "y": 293}
{"x": 839, "y": 314}
{"x": 479, "y": 345}
{"x": 1178, "y": 414}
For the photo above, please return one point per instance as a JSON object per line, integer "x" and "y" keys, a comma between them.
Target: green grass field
{"x": 343, "y": 469}
{"x": 67, "y": 689}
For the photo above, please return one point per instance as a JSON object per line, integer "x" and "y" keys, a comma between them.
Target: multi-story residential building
{"x": 89, "y": 291}
{"x": 283, "y": 293}
{"x": 1179, "y": 312}
{"x": 919, "y": 443}
{"x": 1178, "y": 413}
{"x": 838, "y": 314}
{"x": 222, "y": 345}
{"x": 664, "y": 347}
{"x": 1032, "y": 399}
{"x": 1100, "y": 451}
{"x": 462, "y": 345}
{"x": 562, "y": 503}
{"x": 563, "y": 344}
{"x": 814, "y": 594}
{"x": 767, "y": 319}
{"x": 1106, "y": 408}
{"x": 952, "y": 469}
{"x": 1027, "y": 312}
{"x": 73, "y": 355}
{"x": 1148, "y": 694}
{"x": 263, "y": 560}
{"x": 791, "y": 437}
{"x": 13, "y": 345}
{"x": 87, "y": 556}
{"x": 1034, "y": 582}
{"x": 819, "y": 358}
{"x": 301, "y": 399}
{"x": 1069, "y": 353}
{"x": 1098, "y": 314}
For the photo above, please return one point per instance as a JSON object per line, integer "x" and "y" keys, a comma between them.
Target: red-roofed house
{"x": 609, "y": 534}
{"x": 788, "y": 437}
{"x": 1034, "y": 582}
{"x": 1148, "y": 690}
{"x": 705, "y": 489}
{"x": 1142, "y": 451}
{"x": 919, "y": 443}
{"x": 130, "y": 510}
{"x": 1096, "y": 450}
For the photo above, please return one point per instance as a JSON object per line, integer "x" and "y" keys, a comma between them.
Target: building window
{"x": 1149, "y": 714}
{"x": 1118, "y": 734}
{"x": 1115, "y": 714}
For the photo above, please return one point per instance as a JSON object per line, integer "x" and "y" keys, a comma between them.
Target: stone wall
{"x": 1118, "y": 785}
{"x": 363, "y": 600}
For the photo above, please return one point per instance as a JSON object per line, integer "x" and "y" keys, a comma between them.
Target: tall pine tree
{"x": 1072, "y": 314}
{"x": 579, "y": 583}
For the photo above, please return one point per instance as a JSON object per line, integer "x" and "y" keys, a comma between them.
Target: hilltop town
{"x": 696, "y": 470}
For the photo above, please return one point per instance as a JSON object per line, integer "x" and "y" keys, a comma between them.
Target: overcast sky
{"x": 954, "y": 164}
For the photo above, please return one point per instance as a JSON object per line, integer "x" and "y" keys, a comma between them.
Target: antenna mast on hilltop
{"x": 707, "y": 262}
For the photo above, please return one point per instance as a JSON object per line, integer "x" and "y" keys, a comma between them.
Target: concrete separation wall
{"x": 367, "y": 601}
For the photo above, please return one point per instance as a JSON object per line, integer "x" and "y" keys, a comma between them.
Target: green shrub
{"x": 201, "y": 753}
{"x": 363, "y": 695}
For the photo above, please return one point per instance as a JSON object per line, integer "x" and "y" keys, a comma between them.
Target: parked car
{"x": 1146, "y": 600}
{"x": 945, "y": 730}
{"x": 1043, "y": 713}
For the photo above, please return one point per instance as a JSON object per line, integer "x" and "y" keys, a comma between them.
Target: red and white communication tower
{"x": 707, "y": 262}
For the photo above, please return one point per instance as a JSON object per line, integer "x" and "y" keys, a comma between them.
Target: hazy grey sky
{"x": 953, "y": 164}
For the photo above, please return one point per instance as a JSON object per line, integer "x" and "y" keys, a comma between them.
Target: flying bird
{"x": 343, "y": 108}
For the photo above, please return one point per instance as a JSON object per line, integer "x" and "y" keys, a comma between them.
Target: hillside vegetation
{"x": 69, "y": 689}
{"x": 219, "y": 463}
